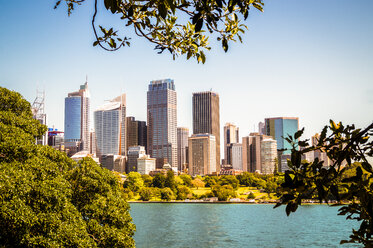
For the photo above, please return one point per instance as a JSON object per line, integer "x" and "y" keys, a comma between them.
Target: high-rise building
{"x": 162, "y": 122}
{"x": 252, "y": 152}
{"x": 281, "y": 127}
{"x": 235, "y": 156}
{"x": 142, "y": 134}
{"x": 206, "y": 118}
{"x": 135, "y": 132}
{"x": 278, "y": 128}
{"x": 77, "y": 106}
{"x": 268, "y": 156}
{"x": 182, "y": 146}
{"x": 231, "y": 136}
{"x": 131, "y": 132}
{"x": 110, "y": 127}
{"x": 92, "y": 141}
{"x": 202, "y": 157}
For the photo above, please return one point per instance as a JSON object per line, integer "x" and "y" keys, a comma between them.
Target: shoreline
{"x": 223, "y": 202}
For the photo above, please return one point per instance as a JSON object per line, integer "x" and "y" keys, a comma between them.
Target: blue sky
{"x": 311, "y": 59}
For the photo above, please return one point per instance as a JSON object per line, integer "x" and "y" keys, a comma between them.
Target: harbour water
{"x": 238, "y": 225}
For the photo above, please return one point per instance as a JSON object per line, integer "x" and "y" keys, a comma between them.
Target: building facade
{"x": 77, "y": 107}
{"x": 268, "y": 156}
{"x": 206, "y": 118}
{"x": 162, "y": 121}
{"x": 278, "y": 128}
{"x": 202, "y": 157}
{"x": 231, "y": 136}
{"x": 110, "y": 127}
{"x": 135, "y": 132}
{"x": 235, "y": 156}
{"x": 145, "y": 165}
{"x": 182, "y": 147}
{"x": 134, "y": 152}
{"x": 252, "y": 152}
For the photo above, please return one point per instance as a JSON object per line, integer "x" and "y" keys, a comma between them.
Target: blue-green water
{"x": 238, "y": 225}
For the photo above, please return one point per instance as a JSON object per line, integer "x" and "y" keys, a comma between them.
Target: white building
{"x": 145, "y": 165}
{"x": 268, "y": 156}
{"x": 235, "y": 155}
{"x": 109, "y": 122}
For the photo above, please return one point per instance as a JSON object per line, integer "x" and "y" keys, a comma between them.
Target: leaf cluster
{"x": 177, "y": 26}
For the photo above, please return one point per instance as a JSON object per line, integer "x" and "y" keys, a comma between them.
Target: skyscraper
{"x": 182, "y": 146}
{"x": 110, "y": 127}
{"x": 131, "y": 132}
{"x": 77, "y": 106}
{"x": 206, "y": 118}
{"x": 253, "y": 153}
{"x": 162, "y": 122}
{"x": 281, "y": 127}
{"x": 231, "y": 136}
{"x": 202, "y": 154}
{"x": 135, "y": 132}
{"x": 278, "y": 128}
{"x": 268, "y": 156}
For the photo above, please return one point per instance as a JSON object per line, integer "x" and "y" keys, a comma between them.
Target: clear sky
{"x": 311, "y": 59}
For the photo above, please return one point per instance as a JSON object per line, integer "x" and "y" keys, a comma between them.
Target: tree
{"x": 146, "y": 193}
{"x": 47, "y": 199}
{"x": 159, "y": 180}
{"x": 251, "y": 195}
{"x": 229, "y": 180}
{"x": 178, "y": 26}
{"x": 342, "y": 144}
{"x": 148, "y": 180}
{"x": 170, "y": 180}
{"x": 133, "y": 181}
{"x": 183, "y": 192}
{"x": 167, "y": 194}
{"x": 197, "y": 182}
{"x": 210, "y": 180}
{"x": 100, "y": 201}
{"x": 187, "y": 179}
{"x": 223, "y": 192}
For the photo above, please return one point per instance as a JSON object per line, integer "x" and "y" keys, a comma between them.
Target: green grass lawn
{"x": 201, "y": 190}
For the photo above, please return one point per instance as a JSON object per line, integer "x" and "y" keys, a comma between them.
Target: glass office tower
{"x": 162, "y": 122}
{"x": 77, "y": 106}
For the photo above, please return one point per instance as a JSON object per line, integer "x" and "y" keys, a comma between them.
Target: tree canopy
{"x": 181, "y": 27}
{"x": 47, "y": 199}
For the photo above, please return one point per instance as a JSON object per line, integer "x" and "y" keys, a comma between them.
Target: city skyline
{"x": 290, "y": 64}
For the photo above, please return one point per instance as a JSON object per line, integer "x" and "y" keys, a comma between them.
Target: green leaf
{"x": 108, "y": 3}
{"x": 95, "y": 43}
{"x": 203, "y": 57}
{"x": 130, "y": 11}
{"x": 162, "y": 10}
{"x": 298, "y": 133}
{"x": 224, "y": 43}
{"x": 199, "y": 24}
